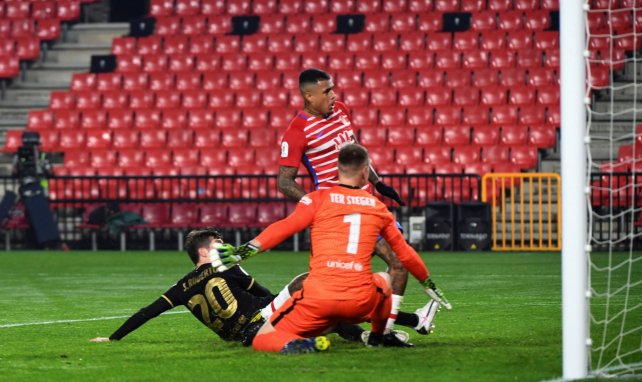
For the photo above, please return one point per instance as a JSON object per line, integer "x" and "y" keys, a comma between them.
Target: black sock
{"x": 350, "y": 332}
{"x": 407, "y": 319}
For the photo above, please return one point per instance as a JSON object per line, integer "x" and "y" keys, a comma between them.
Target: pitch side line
{"x": 5, "y": 326}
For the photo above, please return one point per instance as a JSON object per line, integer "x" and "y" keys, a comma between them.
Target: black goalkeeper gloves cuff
{"x": 388, "y": 191}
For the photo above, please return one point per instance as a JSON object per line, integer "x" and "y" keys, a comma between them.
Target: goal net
{"x": 614, "y": 152}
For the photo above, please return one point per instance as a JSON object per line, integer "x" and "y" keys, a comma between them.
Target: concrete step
{"x": 74, "y": 57}
{"x": 97, "y": 32}
{"x": 26, "y": 95}
{"x": 12, "y": 117}
{"x": 617, "y": 110}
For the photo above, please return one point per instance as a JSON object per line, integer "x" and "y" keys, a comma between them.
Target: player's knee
{"x": 385, "y": 278}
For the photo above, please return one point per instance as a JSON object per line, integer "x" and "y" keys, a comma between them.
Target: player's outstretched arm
{"x": 383, "y": 188}
{"x": 137, "y": 320}
{"x": 286, "y": 182}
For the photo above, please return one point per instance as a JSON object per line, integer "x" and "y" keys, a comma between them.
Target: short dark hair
{"x": 199, "y": 238}
{"x": 312, "y": 76}
{"x": 353, "y": 157}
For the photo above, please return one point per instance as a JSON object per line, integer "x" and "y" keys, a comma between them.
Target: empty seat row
{"x": 540, "y": 136}
{"x": 176, "y": 157}
{"x": 40, "y": 10}
{"x": 291, "y": 7}
{"x": 473, "y": 115}
{"x": 276, "y": 118}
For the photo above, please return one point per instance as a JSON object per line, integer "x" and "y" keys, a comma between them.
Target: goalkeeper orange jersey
{"x": 344, "y": 224}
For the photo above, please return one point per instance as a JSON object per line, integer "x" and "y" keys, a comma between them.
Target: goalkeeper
{"x": 345, "y": 221}
{"x": 228, "y": 301}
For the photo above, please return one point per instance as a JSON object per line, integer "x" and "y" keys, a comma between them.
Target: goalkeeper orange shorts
{"x": 310, "y": 317}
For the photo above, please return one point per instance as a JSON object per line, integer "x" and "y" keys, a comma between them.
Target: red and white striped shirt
{"x": 316, "y": 142}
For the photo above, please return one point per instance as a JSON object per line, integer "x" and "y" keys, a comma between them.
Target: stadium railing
{"x": 238, "y": 204}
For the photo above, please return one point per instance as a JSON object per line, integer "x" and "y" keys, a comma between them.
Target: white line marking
{"x": 78, "y": 320}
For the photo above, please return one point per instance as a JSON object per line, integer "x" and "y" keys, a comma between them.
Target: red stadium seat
{"x": 147, "y": 119}
{"x": 332, "y": 43}
{"x": 430, "y": 78}
{"x": 200, "y": 119}
{"x": 407, "y": 155}
{"x": 525, "y": 157}
{"x": 220, "y": 100}
{"x": 155, "y": 63}
{"x": 120, "y": 119}
{"x": 493, "y": 95}
{"x": 532, "y": 115}
{"x": 215, "y": 81}
{"x": 501, "y": 59}
{"x": 475, "y": 60}
{"x": 465, "y": 96}
{"x": 264, "y": 137}
{"x": 355, "y": 97}
{"x": 79, "y": 158}
{"x": 185, "y": 157}
{"x": 456, "y": 135}
{"x": 255, "y": 118}
{"x": 475, "y": 115}
{"x": 512, "y": 77}
{"x": 514, "y": 135}
{"x": 428, "y": 22}
{"x": 218, "y": 25}
{"x": 94, "y": 119}
{"x": 238, "y": 7}
{"x": 181, "y": 63}
{"x": 483, "y": 21}
{"x": 393, "y": 61}
{"x": 67, "y": 119}
{"x": 135, "y": 81}
{"x": 364, "y": 116}
{"x": 500, "y": 5}
{"x": 161, "y": 7}
{"x": 174, "y": 119}
{"x": 510, "y": 20}
{"x": 168, "y": 26}
{"x": 383, "y": 97}
{"x": 504, "y": 115}
{"x": 234, "y": 138}
{"x": 381, "y": 154}
{"x": 129, "y": 63}
{"x": 98, "y": 139}
{"x": 553, "y": 116}
{"x": 448, "y": 115}
{"x": 125, "y": 139}
{"x": 373, "y": 79}
{"x": 40, "y": 120}
{"x": 392, "y": 116}
{"x": 274, "y": 97}
{"x": 227, "y": 44}
{"x": 384, "y": 42}
{"x": 167, "y": 99}
{"x": 439, "y": 41}
{"x": 472, "y": 5}
{"x": 102, "y": 159}
{"x": 495, "y": 154}
{"x": 175, "y": 45}
{"x": 493, "y": 40}
{"x": 228, "y": 118}
{"x": 543, "y": 136}
{"x": 313, "y": 61}
{"x": 540, "y": 77}
{"x": 49, "y": 140}
{"x": 465, "y": 41}
{"x": 410, "y": 97}
{"x": 149, "y": 45}
{"x": 447, "y": 59}
{"x": 466, "y": 154}
{"x": 71, "y": 140}
{"x": 153, "y": 138}
{"x": 402, "y": 136}
{"x": 403, "y": 79}
{"x": 537, "y": 20}
{"x": 49, "y": 30}
{"x": 368, "y": 6}
{"x": 87, "y": 99}
{"x": 109, "y": 81}
{"x": 438, "y": 96}
{"x": 421, "y": 60}
{"x": 548, "y": 95}
{"x": 17, "y": 10}
{"x": 520, "y": 40}
{"x": 27, "y": 47}
{"x": 280, "y": 43}
{"x": 521, "y": 95}
{"x": 419, "y": 168}
{"x": 402, "y": 22}
{"x": 371, "y": 136}
{"x": 22, "y": 27}
{"x": 285, "y": 61}
{"x": 141, "y": 99}
{"x": 485, "y": 77}
{"x": 298, "y": 24}
{"x": 360, "y": 42}
{"x": 258, "y": 62}
{"x": 193, "y": 26}
{"x": 208, "y": 62}
{"x": 180, "y": 139}
{"x": 546, "y": 40}
{"x": 485, "y": 136}
{"x": 207, "y": 138}
{"x": 83, "y": 81}
{"x": 240, "y": 157}
{"x": 194, "y": 99}
{"x": 446, "y": 5}
{"x": 188, "y": 81}
{"x": 419, "y": 116}
{"x": 201, "y": 46}
{"x": 414, "y": 41}
{"x": 268, "y": 80}
{"x": 241, "y": 80}
{"x": 437, "y": 155}
{"x": 62, "y": 100}
{"x": 271, "y": 24}
{"x": 342, "y": 6}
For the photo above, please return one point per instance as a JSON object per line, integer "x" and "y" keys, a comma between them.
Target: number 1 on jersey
{"x": 353, "y": 235}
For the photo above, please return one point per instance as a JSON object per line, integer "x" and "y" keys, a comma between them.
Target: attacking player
{"x": 345, "y": 222}
{"x": 228, "y": 301}
{"x": 314, "y": 138}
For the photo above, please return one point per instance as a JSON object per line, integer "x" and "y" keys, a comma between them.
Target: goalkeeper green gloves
{"x": 231, "y": 255}
{"x": 435, "y": 293}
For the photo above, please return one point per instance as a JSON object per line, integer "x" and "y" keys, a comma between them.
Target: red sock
{"x": 273, "y": 341}
{"x": 380, "y": 315}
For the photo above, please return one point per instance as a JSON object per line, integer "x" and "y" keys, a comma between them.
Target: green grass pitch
{"x": 505, "y": 324}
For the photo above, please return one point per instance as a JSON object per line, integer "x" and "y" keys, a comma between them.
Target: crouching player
{"x": 345, "y": 222}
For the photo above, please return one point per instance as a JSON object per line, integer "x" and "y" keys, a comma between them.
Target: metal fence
{"x": 238, "y": 204}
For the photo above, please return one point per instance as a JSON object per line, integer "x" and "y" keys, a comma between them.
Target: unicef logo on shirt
{"x": 358, "y": 267}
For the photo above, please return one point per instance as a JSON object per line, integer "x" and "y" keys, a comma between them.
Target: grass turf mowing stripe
{"x": 4, "y": 326}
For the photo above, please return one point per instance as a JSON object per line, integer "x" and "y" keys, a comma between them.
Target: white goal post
{"x": 575, "y": 318}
